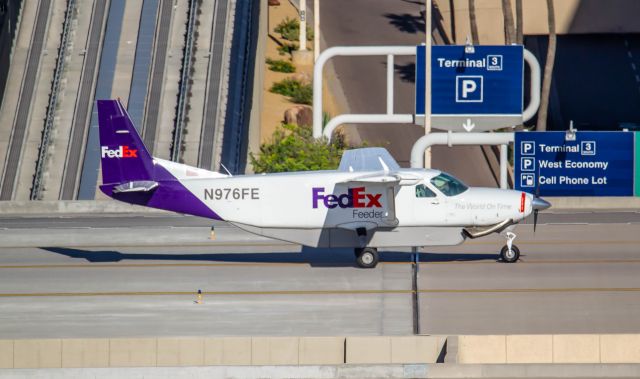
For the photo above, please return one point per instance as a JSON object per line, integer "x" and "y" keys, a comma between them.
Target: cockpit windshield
{"x": 448, "y": 185}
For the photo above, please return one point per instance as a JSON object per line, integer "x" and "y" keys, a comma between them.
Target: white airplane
{"x": 367, "y": 203}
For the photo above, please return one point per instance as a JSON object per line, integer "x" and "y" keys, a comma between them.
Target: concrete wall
{"x": 227, "y": 351}
{"x": 572, "y": 17}
{"x": 295, "y": 351}
{"x": 562, "y": 348}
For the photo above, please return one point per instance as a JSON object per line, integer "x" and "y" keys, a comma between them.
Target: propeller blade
{"x": 535, "y": 220}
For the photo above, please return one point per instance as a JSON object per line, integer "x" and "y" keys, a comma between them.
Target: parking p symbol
{"x": 469, "y": 89}
{"x": 527, "y": 147}
{"x": 527, "y": 164}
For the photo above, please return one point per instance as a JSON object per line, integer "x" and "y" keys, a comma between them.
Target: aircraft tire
{"x": 367, "y": 257}
{"x": 510, "y": 256}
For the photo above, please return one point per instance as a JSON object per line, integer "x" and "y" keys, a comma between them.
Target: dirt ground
{"x": 274, "y": 105}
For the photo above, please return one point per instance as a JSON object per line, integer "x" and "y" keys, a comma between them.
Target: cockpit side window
{"x": 424, "y": 191}
{"x": 448, "y": 185}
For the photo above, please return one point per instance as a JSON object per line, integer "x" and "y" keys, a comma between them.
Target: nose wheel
{"x": 510, "y": 252}
{"x": 367, "y": 257}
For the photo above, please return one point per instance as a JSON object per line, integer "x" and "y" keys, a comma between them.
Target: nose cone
{"x": 539, "y": 204}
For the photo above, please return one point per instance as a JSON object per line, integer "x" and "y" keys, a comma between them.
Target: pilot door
{"x": 430, "y": 207}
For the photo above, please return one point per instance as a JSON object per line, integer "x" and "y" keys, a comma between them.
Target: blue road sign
{"x": 484, "y": 87}
{"x": 595, "y": 164}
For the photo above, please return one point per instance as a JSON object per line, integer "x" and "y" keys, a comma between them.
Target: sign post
{"x": 475, "y": 89}
{"x": 594, "y": 164}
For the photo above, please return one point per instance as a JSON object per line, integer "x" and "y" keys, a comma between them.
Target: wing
{"x": 376, "y": 166}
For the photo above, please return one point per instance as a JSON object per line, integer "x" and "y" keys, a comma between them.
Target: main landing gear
{"x": 367, "y": 257}
{"x": 510, "y": 252}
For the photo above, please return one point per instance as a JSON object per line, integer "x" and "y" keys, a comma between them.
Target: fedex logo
{"x": 120, "y": 152}
{"x": 354, "y": 198}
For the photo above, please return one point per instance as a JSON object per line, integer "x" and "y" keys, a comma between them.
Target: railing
{"x": 178, "y": 131}
{"x": 36, "y": 188}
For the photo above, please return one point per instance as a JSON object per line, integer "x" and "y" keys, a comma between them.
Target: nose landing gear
{"x": 510, "y": 252}
{"x": 366, "y": 257}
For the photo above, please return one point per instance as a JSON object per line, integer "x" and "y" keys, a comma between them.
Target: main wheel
{"x": 510, "y": 256}
{"x": 367, "y": 257}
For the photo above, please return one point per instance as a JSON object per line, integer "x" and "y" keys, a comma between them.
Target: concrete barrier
{"x": 36, "y": 353}
{"x": 620, "y": 348}
{"x": 529, "y": 349}
{"x": 180, "y": 352}
{"x": 231, "y": 351}
{"x": 416, "y": 349}
{"x": 6, "y": 353}
{"x": 369, "y": 350}
{"x": 132, "y": 352}
{"x": 576, "y": 348}
{"x": 274, "y": 351}
{"x": 72, "y": 207}
{"x": 321, "y": 350}
{"x": 293, "y": 351}
{"x": 85, "y": 353}
{"x": 482, "y": 349}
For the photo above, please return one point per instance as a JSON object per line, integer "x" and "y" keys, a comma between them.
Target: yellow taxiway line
{"x": 320, "y": 292}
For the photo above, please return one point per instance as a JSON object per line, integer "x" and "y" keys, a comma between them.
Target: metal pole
{"x": 427, "y": 78}
{"x": 364, "y": 119}
{"x": 347, "y": 51}
{"x": 534, "y": 92}
{"x": 504, "y": 162}
{"x": 303, "y": 25}
{"x": 316, "y": 29}
{"x": 451, "y": 139}
{"x": 390, "y": 84}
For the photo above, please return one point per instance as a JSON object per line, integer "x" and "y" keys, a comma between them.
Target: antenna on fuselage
{"x": 228, "y": 173}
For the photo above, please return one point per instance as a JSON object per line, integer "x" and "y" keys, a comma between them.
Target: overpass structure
{"x": 169, "y": 63}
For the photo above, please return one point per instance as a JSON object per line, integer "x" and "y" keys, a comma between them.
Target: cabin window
{"x": 424, "y": 191}
{"x": 448, "y": 185}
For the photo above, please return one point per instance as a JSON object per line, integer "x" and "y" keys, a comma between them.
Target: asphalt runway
{"x": 574, "y": 277}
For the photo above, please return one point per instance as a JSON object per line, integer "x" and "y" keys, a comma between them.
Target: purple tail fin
{"x": 123, "y": 155}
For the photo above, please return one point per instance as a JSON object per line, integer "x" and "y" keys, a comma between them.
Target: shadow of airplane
{"x": 315, "y": 257}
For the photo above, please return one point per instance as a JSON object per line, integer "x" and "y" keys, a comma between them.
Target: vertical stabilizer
{"x": 123, "y": 155}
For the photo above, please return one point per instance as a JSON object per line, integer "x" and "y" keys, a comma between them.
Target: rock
{"x": 302, "y": 77}
{"x": 299, "y": 115}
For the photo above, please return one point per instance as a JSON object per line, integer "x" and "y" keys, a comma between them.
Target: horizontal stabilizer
{"x": 136, "y": 186}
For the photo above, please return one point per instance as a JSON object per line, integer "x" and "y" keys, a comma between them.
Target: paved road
{"x": 390, "y": 22}
{"x": 573, "y": 278}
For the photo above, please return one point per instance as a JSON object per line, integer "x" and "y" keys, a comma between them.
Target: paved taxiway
{"x": 574, "y": 277}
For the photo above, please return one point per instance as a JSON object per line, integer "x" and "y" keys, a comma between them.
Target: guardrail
{"x": 183, "y": 90}
{"x": 36, "y": 188}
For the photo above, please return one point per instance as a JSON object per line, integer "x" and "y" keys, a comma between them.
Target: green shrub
{"x": 293, "y": 148}
{"x": 287, "y": 48}
{"x": 289, "y": 29}
{"x": 300, "y": 93}
{"x": 280, "y": 65}
{"x": 303, "y": 95}
{"x": 286, "y": 87}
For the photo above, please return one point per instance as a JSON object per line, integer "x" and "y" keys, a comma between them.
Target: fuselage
{"x": 323, "y": 200}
